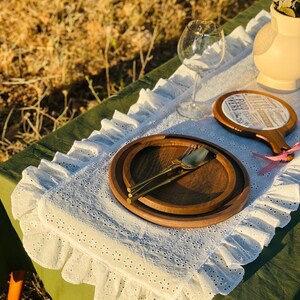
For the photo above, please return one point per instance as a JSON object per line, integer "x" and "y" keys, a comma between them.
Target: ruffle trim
{"x": 241, "y": 247}
{"x": 112, "y": 132}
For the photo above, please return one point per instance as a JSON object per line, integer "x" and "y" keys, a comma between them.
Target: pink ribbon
{"x": 276, "y": 159}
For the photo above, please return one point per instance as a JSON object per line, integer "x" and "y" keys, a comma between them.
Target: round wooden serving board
{"x": 257, "y": 115}
{"x": 200, "y": 191}
{"x": 231, "y": 205}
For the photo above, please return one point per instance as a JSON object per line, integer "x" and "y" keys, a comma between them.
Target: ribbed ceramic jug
{"x": 276, "y": 52}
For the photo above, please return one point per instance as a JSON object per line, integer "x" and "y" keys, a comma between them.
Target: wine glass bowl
{"x": 200, "y": 48}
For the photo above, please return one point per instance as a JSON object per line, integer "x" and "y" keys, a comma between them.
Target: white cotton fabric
{"x": 71, "y": 220}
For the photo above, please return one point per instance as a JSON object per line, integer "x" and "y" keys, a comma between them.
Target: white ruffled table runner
{"x": 71, "y": 220}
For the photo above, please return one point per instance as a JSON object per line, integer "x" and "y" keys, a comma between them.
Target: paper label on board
{"x": 255, "y": 111}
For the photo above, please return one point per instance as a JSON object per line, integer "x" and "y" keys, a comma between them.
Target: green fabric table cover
{"x": 275, "y": 274}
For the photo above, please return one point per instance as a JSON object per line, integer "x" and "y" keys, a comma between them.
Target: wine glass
{"x": 201, "y": 47}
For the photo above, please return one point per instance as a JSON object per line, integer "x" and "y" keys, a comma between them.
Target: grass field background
{"x": 60, "y": 58}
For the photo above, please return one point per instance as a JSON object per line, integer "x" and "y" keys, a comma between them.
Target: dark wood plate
{"x": 257, "y": 115}
{"x": 200, "y": 191}
{"x": 234, "y": 204}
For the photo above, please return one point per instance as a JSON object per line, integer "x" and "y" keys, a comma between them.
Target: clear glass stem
{"x": 192, "y": 109}
{"x": 196, "y": 83}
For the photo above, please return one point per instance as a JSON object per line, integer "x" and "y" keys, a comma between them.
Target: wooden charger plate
{"x": 202, "y": 190}
{"x": 234, "y": 204}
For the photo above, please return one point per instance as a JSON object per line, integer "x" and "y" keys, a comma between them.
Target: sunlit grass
{"x": 47, "y": 48}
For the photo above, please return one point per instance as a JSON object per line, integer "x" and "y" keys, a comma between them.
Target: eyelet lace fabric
{"x": 71, "y": 220}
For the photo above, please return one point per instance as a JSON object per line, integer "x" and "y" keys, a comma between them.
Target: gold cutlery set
{"x": 192, "y": 158}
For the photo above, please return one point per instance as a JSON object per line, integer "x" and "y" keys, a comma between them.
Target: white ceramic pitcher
{"x": 276, "y": 52}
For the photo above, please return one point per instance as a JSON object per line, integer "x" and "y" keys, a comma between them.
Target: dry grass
{"x": 33, "y": 289}
{"x": 59, "y": 58}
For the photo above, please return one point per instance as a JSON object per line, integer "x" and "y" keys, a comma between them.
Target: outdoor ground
{"x": 59, "y": 58}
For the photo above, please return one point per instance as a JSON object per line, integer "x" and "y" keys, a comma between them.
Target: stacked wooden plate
{"x": 205, "y": 196}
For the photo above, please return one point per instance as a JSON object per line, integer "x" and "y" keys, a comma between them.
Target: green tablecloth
{"x": 273, "y": 275}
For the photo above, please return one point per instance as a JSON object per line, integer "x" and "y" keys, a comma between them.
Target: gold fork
{"x": 190, "y": 162}
{"x": 174, "y": 163}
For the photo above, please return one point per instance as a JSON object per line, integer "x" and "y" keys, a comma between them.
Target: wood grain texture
{"x": 202, "y": 190}
{"x": 233, "y": 204}
{"x": 273, "y": 137}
